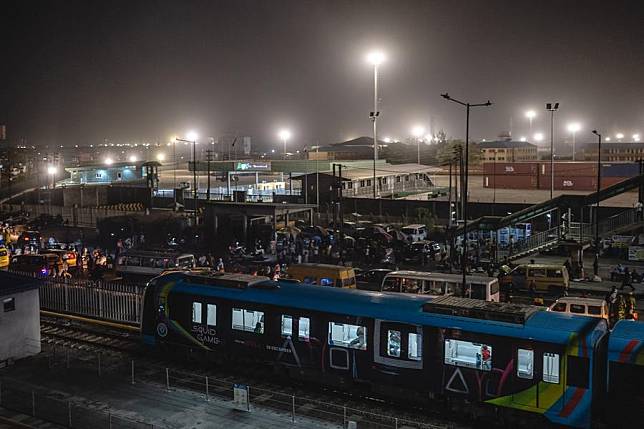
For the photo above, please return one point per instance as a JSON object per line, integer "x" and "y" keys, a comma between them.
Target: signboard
{"x": 252, "y": 166}
{"x": 636, "y": 253}
{"x": 240, "y": 397}
{"x": 246, "y": 145}
{"x": 622, "y": 241}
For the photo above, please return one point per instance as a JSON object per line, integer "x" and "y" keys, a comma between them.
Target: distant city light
{"x": 538, "y": 137}
{"x": 132, "y": 158}
{"x": 636, "y": 137}
{"x": 376, "y": 57}
{"x": 619, "y": 136}
{"x": 192, "y": 136}
{"x": 523, "y": 139}
{"x": 272, "y": 150}
{"x": 160, "y": 157}
{"x": 530, "y": 114}
{"x": 109, "y": 161}
{"x": 52, "y": 170}
{"x": 387, "y": 139}
{"x": 607, "y": 139}
{"x": 418, "y": 131}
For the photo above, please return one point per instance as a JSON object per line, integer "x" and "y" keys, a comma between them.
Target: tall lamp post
{"x": 284, "y": 135}
{"x": 192, "y": 137}
{"x": 573, "y": 128}
{"x": 468, "y": 106}
{"x": 599, "y": 177}
{"x": 418, "y": 132}
{"x": 552, "y": 108}
{"x": 530, "y": 114}
{"x": 375, "y": 58}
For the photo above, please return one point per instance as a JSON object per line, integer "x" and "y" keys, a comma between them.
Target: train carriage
{"x": 625, "y": 375}
{"x": 483, "y": 356}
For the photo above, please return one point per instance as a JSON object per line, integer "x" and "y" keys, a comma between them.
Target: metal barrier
{"x": 115, "y": 302}
{"x": 294, "y": 409}
{"x": 73, "y": 415}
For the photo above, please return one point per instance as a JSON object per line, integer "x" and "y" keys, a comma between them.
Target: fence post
{"x": 132, "y": 371}
{"x": 99, "y": 364}
{"x": 69, "y": 413}
{"x": 293, "y": 409}
{"x": 344, "y": 416}
{"x": 396, "y": 422}
{"x": 33, "y": 403}
{"x": 167, "y": 379}
{"x": 207, "y": 395}
{"x": 109, "y": 419}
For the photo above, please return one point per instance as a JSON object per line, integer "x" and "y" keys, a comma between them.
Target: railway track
{"x": 275, "y": 392}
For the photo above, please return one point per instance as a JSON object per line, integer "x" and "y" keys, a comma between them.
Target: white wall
{"x": 20, "y": 329}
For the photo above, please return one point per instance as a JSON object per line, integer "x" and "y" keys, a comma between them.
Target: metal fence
{"x": 115, "y": 302}
{"x": 72, "y": 216}
{"x": 40, "y": 404}
{"x": 293, "y": 408}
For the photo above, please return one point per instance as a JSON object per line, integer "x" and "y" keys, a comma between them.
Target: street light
{"x": 375, "y": 58}
{"x": 284, "y": 135}
{"x": 417, "y": 131}
{"x": 109, "y": 161}
{"x": 387, "y": 139}
{"x": 599, "y": 177}
{"x": 538, "y": 137}
{"x": 573, "y": 127}
{"x": 530, "y": 114}
{"x": 52, "y": 170}
{"x": 132, "y": 158}
{"x": 160, "y": 157}
{"x": 523, "y": 139}
{"x": 636, "y": 138}
{"x": 619, "y": 136}
{"x": 552, "y": 108}
{"x": 467, "y": 137}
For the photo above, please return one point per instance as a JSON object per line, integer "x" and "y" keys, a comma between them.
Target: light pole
{"x": 530, "y": 114}
{"x": 192, "y": 137}
{"x": 418, "y": 131}
{"x": 599, "y": 178}
{"x": 573, "y": 127}
{"x": 284, "y": 135}
{"x": 174, "y": 171}
{"x": 375, "y": 58}
{"x": 468, "y": 106}
{"x": 552, "y": 108}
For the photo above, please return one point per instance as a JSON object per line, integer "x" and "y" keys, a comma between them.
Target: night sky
{"x": 83, "y": 71}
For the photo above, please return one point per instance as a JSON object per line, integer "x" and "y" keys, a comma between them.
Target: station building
{"x": 19, "y": 317}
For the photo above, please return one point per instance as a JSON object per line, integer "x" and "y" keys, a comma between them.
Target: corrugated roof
{"x": 505, "y": 144}
{"x": 11, "y": 283}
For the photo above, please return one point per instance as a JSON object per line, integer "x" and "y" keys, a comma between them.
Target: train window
{"x": 248, "y": 320}
{"x": 467, "y": 354}
{"x": 287, "y": 325}
{"x": 578, "y": 371}
{"x": 560, "y": 306}
{"x": 196, "y": 312}
{"x": 551, "y": 368}
{"x": 415, "y": 346}
{"x": 211, "y": 315}
{"x": 304, "y": 329}
{"x": 525, "y": 363}
{"x": 578, "y": 308}
{"x": 393, "y": 343}
{"x": 345, "y": 335}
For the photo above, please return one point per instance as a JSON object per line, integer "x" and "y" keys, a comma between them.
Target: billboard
{"x": 246, "y": 145}
{"x": 252, "y": 166}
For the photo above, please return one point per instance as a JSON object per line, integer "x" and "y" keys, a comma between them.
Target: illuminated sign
{"x": 252, "y": 166}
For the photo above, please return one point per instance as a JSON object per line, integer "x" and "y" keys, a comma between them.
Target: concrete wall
{"x": 20, "y": 329}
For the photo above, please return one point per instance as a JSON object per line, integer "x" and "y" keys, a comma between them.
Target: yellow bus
{"x": 323, "y": 275}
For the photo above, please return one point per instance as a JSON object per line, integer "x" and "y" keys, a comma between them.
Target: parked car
{"x": 421, "y": 251}
{"x": 45, "y": 264}
{"x": 311, "y": 232}
{"x": 593, "y": 307}
{"x": 371, "y": 279}
{"x": 377, "y": 233}
{"x": 415, "y": 232}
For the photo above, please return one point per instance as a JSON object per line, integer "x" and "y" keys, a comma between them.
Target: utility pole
{"x": 552, "y": 108}
{"x": 209, "y": 158}
{"x": 599, "y": 178}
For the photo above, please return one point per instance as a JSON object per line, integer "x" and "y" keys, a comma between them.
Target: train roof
{"x": 431, "y": 276}
{"x": 405, "y": 308}
{"x": 628, "y": 329}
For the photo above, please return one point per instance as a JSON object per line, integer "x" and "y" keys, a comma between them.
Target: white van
{"x": 593, "y": 307}
{"x": 415, "y": 232}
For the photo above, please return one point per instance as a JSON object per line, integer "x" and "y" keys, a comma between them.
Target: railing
{"x": 114, "y": 302}
{"x": 534, "y": 242}
{"x": 291, "y": 409}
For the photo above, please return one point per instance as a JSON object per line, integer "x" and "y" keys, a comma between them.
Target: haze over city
{"x": 77, "y": 72}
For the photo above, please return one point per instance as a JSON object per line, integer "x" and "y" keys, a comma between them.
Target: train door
{"x": 538, "y": 377}
{"x": 550, "y": 388}
{"x": 347, "y": 346}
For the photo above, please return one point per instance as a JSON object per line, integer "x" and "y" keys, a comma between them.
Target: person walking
{"x": 630, "y": 306}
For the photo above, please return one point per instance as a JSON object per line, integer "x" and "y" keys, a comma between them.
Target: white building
{"x": 19, "y": 317}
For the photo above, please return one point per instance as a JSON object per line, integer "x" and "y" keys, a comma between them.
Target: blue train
{"x": 515, "y": 362}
